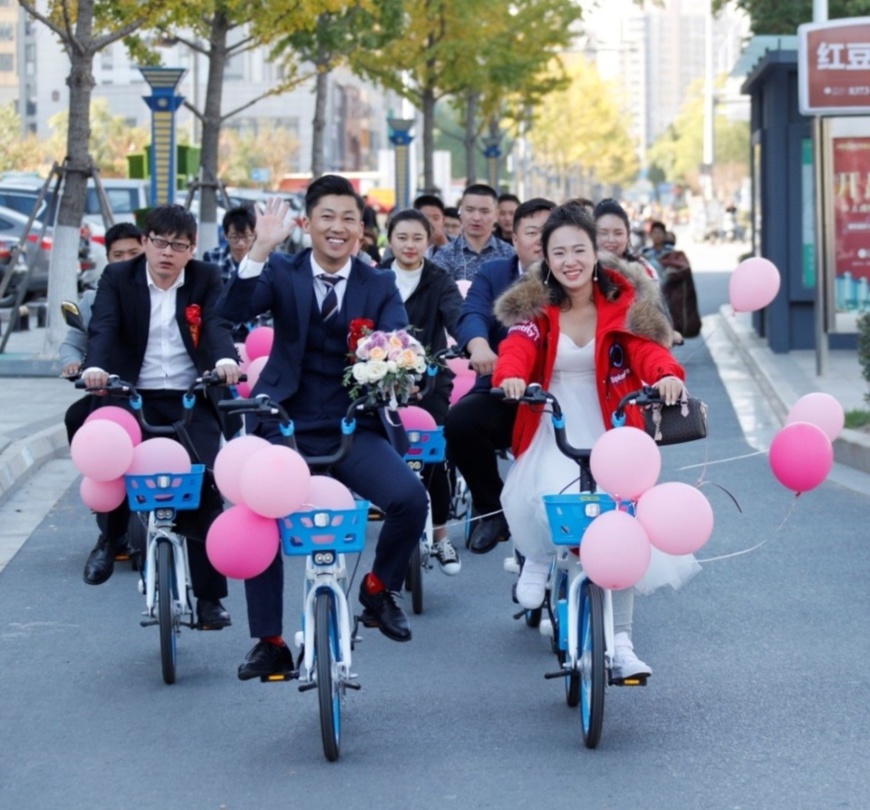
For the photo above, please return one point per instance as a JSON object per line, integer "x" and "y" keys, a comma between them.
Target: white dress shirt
{"x": 167, "y": 363}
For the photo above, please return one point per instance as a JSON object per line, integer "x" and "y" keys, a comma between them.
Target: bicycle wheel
{"x": 328, "y": 689}
{"x": 415, "y": 579}
{"x": 165, "y": 591}
{"x": 590, "y": 648}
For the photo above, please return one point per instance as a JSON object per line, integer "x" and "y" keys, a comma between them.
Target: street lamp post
{"x": 163, "y": 103}
{"x": 401, "y": 137}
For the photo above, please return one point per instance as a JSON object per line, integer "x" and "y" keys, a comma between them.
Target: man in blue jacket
{"x": 314, "y": 296}
{"x": 479, "y": 425}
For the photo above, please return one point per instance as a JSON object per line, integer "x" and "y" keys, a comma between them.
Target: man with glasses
{"x": 240, "y": 225}
{"x": 155, "y": 324}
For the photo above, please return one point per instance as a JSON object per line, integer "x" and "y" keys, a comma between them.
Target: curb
{"x": 19, "y": 460}
{"x": 851, "y": 447}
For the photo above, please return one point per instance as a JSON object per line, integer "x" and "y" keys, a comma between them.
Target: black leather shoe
{"x": 100, "y": 563}
{"x": 488, "y": 533}
{"x": 266, "y": 659}
{"x": 381, "y": 611}
{"x": 211, "y": 615}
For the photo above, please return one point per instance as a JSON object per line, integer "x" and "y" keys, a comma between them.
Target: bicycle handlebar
{"x": 644, "y": 396}
{"x": 121, "y": 388}
{"x": 262, "y": 405}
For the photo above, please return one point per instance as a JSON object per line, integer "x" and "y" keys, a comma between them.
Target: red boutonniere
{"x": 359, "y": 328}
{"x": 193, "y": 315}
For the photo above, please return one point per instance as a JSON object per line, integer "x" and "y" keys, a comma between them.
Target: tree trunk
{"x": 64, "y": 262}
{"x": 211, "y": 132}
{"x": 318, "y": 125}
{"x": 428, "y": 108}
{"x": 470, "y": 139}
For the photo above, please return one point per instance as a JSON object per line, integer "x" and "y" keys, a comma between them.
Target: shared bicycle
{"x": 164, "y": 572}
{"x": 579, "y": 612}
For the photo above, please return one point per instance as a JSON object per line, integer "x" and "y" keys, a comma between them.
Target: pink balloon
{"x": 241, "y": 544}
{"x": 801, "y": 456}
{"x": 228, "y": 465}
{"x": 275, "y": 481}
{"x": 101, "y": 450}
{"x": 102, "y": 496}
{"x": 753, "y": 284}
{"x": 625, "y": 462}
{"x": 254, "y": 372}
{"x": 159, "y": 455}
{"x": 461, "y": 386}
{"x": 821, "y": 410}
{"x": 459, "y": 366}
{"x": 327, "y": 493}
{"x": 415, "y": 418}
{"x": 677, "y": 517}
{"x": 463, "y": 285}
{"x": 243, "y": 389}
{"x": 120, "y": 417}
{"x": 259, "y": 342}
{"x": 615, "y": 551}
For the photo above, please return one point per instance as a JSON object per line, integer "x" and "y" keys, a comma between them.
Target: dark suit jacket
{"x": 118, "y": 330}
{"x": 477, "y": 318}
{"x": 286, "y": 288}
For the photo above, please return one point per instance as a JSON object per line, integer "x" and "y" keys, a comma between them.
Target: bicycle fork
{"x": 158, "y": 533}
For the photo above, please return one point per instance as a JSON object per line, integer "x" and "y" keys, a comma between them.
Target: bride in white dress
{"x": 589, "y": 335}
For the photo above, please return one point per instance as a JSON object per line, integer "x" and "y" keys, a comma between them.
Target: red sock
{"x": 373, "y": 584}
{"x": 278, "y": 641}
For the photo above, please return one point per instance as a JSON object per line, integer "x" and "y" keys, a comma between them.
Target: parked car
{"x": 12, "y": 226}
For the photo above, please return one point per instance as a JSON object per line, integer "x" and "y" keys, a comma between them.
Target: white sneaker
{"x": 447, "y": 557}
{"x": 532, "y": 584}
{"x": 625, "y": 663}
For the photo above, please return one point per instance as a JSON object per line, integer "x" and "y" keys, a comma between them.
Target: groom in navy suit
{"x": 313, "y": 297}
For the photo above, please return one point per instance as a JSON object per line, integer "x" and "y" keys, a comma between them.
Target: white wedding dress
{"x": 544, "y": 470}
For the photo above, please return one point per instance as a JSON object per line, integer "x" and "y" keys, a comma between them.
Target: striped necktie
{"x": 330, "y": 303}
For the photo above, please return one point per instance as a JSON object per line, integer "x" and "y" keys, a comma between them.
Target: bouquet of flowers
{"x": 388, "y": 364}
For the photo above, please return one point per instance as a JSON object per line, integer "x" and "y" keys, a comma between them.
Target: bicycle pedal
{"x": 562, "y": 673}
{"x": 519, "y": 614}
{"x": 147, "y": 622}
{"x": 308, "y": 686}
{"x": 352, "y": 685}
{"x": 633, "y": 681}
{"x": 376, "y": 514}
{"x": 279, "y": 677}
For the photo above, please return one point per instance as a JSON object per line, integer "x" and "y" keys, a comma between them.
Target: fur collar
{"x": 528, "y": 299}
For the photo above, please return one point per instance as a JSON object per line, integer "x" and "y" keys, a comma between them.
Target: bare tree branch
{"x": 275, "y": 91}
{"x": 114, "y": 36}
{"x": 31, "y": 10}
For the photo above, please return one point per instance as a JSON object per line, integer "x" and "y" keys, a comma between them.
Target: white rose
{"x": 392, "y": 367}
{"x": 420, "y": 365}
{"x": 359, "y": 372}
{"x": 375, "y": 371}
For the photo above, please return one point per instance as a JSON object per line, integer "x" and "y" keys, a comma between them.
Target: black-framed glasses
{"x": 240, "y": 237}
{"x": 162, "y": 244}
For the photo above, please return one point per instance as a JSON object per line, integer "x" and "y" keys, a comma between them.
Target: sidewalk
{"x": 32, "y": 431}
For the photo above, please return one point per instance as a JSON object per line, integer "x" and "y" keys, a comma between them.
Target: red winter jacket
{"x": 630, "y": 339}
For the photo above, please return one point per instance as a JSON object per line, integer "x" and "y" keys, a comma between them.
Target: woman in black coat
{"x": 432, "y": 301}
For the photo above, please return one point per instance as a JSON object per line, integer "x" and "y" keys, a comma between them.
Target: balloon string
{"x": 757, "y": 545}
{"x": 707, "y": 463}
{"x": 699, "y": 346}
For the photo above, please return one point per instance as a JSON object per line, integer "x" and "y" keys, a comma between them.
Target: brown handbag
{"x": 685, "y": 421}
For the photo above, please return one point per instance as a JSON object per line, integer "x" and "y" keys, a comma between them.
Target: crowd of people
{"x": 554, "y": 296}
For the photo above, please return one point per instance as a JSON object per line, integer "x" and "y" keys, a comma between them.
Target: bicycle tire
{"x": 165, "y": 591}
{"x": 590, "y": 647}
{"x": 415, "y": 579}
{"x": 328, "y": 690}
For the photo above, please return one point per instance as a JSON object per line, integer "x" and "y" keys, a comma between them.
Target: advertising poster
{"x": 851, "y": 233}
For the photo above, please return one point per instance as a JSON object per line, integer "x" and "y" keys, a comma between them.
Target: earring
{"x": 595, "y": 272}
{"x": 547, "y": 277}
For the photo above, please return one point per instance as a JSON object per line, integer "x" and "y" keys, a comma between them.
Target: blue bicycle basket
{"x": 344, "y": 530}
{"x": 146, "y": 493}
{"x": 426, "y": 446}
{"x": 570, "y": 515}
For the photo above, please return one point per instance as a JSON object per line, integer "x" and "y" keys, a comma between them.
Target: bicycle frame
{"x": 162, "y": 532}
